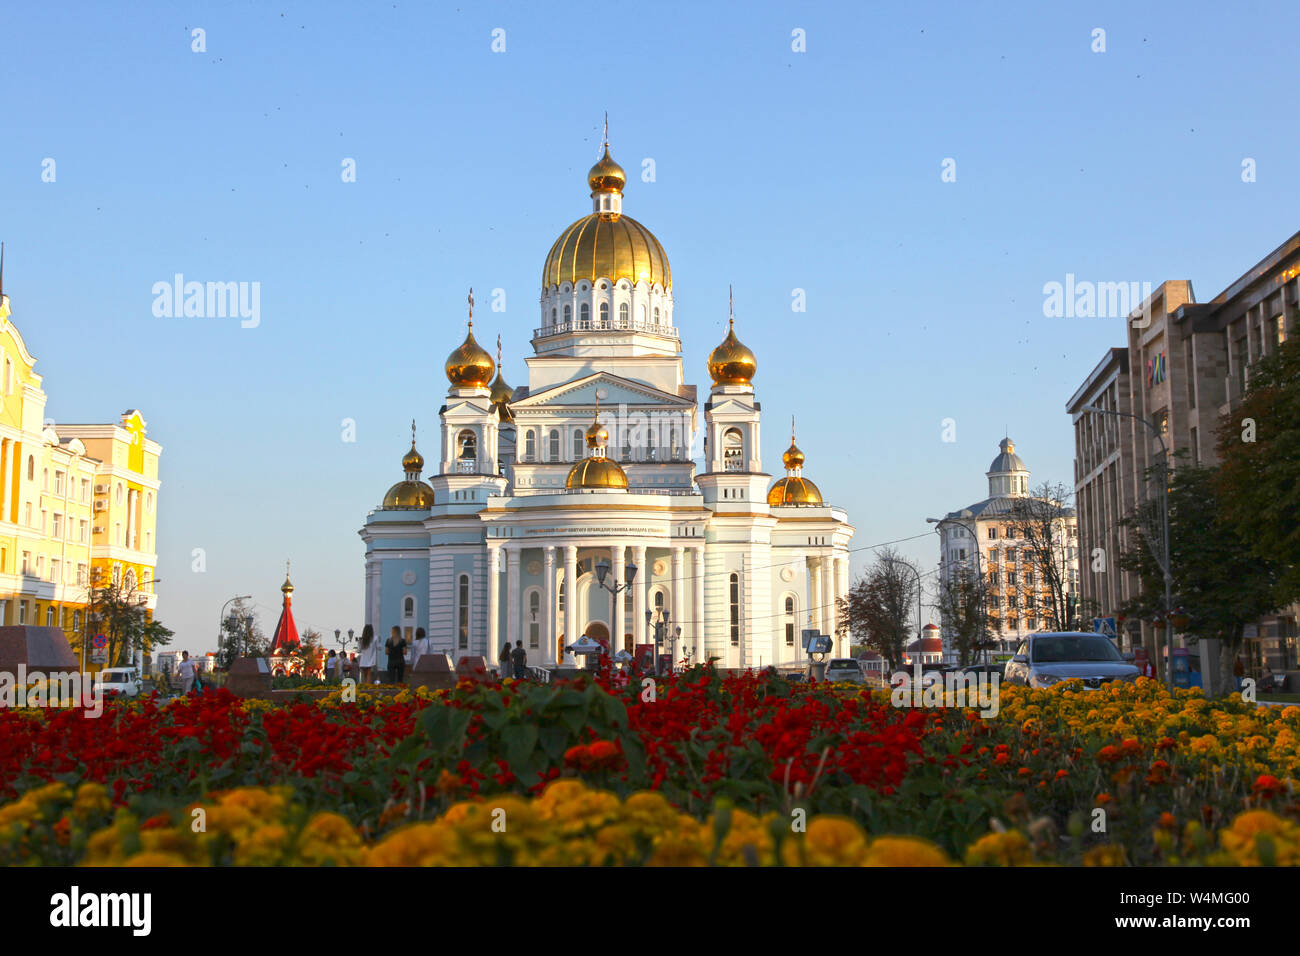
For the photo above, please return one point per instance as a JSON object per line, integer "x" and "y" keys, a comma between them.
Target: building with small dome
{"x": 545, "y": 495}
{"x": 983, "y": 539}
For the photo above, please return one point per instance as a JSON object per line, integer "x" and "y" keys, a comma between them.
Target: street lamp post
{"x": 615, "y": 588}
{"x": 919, "y": 647}
{"x": 979, "y": 574}
{"x": 1161, "y": 557}
{"x": 660, "y": 628}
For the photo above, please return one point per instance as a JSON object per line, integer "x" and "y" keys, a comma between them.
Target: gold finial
{"x": 791, "y": 429}
{"x": 2, "y": 268}
{"x": 498, "y": 353}
{"x": 471, "y": 307}
{"x": 605, "y": 135}
{"x": 412, "y": 432}
{"x": 731, "y": 306}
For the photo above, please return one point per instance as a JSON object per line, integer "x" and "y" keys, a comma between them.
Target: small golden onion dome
{"x": 501, "y": 395}
{"x": 793, "y": 457}
{"x": 409, "y": 494}
{"x": 287, "y": 586}
{"x": 470, "y": 366}
{"x": 606, "y": 175}
{"x": 596, "y": 473}
{"x": 599, "y": 247}
{"x": 597, "y": 435}
{"x": 793, "y": 490}
{"x": 732, "y": 363}
{"x": 413, "y": 460}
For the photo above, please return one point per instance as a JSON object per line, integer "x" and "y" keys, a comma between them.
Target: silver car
{"x": 1047, "y": 659}
{"x": 845, "y": 669}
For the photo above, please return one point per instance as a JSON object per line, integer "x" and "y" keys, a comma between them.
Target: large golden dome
{"x": 600, "y": 247}
{"x": 596, "y": 473}
{"x": 470, "y": 365}
{"x": 793, "y": 490}
{"x": 409, "y": 494}
{"x": 732, "y": 363}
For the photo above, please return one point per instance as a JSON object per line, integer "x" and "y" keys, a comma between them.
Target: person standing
{"x": 421, "y": 647}
{"x": 396, "y": 648}
{"x": 186, "y": 669}
{"x": 503, "y": 662}
{"x": 369, "y": 652}
{"x": 519, "y": 657}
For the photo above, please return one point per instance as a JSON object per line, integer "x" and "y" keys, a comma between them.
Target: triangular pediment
{"x": 615, "y": 390}
{"x": 730, "y": 406}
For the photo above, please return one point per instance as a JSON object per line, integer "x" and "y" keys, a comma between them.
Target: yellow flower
{"x": 1108, "y": 854}
{"x": 152, "y": 859}
{"x": 830, "y": 841}
{"x": 904, "y": 851}
{"x": 1260, "y": 837}
{"x": 1000, "y": 849}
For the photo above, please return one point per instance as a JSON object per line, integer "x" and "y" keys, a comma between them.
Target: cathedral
{"x": 572, "y": 506}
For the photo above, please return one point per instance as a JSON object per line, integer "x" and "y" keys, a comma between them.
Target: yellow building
{"x": 78, "y": 503}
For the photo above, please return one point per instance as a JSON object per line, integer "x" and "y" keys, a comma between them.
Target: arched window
{"x": 553, "y": 315}
{"x": 31, "y": 468}
{"x": 604, "y": 315}
{"x": 568, "y": 314}
{"x": 733, "y": 450}
{"x": 789, "y": 621}
{"x": 49, "y": 616}
{"x": 530, "y": 445}
{"x": 735, "y": 609}
{"x": 534, "y": 624}
{"x": 467, "y": 443}
{"x": 408, "y": 607}
{"x": 623, "y": 314}
{"x": 554, "y": 452}
{"x": 577, "y": 444}
{"x": 462, "y": 613}
{"x": 45, "y": 479}
{"x": 584, "y": 313}
{"x": 656, "y": 315}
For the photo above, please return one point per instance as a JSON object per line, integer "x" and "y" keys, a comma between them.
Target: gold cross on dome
{"x": 471, "y": 307}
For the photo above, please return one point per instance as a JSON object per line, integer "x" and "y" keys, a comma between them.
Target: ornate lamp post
{"x": 221, "y": 623}
{"x": 615, "y": 618}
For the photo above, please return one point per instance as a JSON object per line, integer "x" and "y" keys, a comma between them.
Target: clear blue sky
{"x": 776, "y": 170}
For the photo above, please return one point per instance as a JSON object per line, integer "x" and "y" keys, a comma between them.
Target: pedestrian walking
{"x": 519, "y": 658}
{"x": 369, "y": 652}
{"x": 186, "y": 669}
{"x": 396, "y": 648}
{"x": 503, "y": 661}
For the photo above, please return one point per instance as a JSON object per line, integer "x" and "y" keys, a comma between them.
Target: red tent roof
{"x": 286, "y": 631}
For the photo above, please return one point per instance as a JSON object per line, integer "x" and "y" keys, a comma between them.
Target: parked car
{"x": 844, "y": 669}
{"x": 1054, "y": 657}
{"x": 119, "y": 682}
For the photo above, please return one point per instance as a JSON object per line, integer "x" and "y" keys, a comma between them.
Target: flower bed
{"x": 415, "y": 778}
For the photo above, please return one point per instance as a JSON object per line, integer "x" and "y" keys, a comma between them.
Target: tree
{"x": 962, "y": 599}
{"x": 880, "y": 605}
{"x": 1258, "y": 478}
{"x": 1219, "y": 582}
{"x": 1042, "y": 520}
{"x": 309, "y": 652}
{"x": 121, "y": 615}
{"x": 241, "y": 636}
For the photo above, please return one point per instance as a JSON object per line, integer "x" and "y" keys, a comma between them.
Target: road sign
{"x": 99, "y": 642}
{"x": 1104, "y": 625}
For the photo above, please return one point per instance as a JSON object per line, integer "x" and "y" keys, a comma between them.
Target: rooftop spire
{"x": 471, "y": 307}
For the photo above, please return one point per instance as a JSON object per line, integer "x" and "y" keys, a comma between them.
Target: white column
{"x": 616, "y": 601}
{"x": 512, "y": 594}
{"x": 814, "y": 596}
{"x": 570, "y": 593}
{"x": 492, "y": 636}
{"x": 548, "y": 602}
{"x": 679, "y": 600}
{"x": 842, "y": 591}
{"x": 697, "y": 611}
{"x": 828, "y": 597}
{"x": 639, "y": 593}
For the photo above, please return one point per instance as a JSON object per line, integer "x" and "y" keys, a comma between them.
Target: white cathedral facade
{"x": 546, "y": 496}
